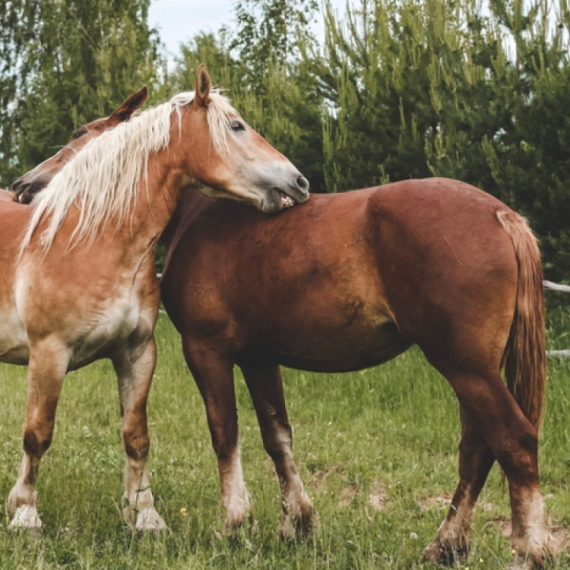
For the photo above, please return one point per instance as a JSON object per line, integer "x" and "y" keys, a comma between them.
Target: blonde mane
{"x": 103, "y": 180}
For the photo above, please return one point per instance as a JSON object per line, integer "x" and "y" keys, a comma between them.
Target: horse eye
{"x": 237, "y": 126}
{"x": 79, "y": 133}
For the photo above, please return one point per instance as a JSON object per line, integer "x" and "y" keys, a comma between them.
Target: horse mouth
{"x": 286, "y": 201}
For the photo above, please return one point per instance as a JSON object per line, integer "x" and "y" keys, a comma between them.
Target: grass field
{"x": 377, "y": 451}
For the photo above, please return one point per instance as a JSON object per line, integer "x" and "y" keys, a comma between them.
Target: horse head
{"x": 232, "y": 160}
{"x": 32, "y": 182}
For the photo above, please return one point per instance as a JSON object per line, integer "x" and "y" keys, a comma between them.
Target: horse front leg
{"x": 265, "y": 385}
{"x": 47, "y": 367}
{"x": 135, "y": 368}
{"x": 475, "y": 462}
{"x": 214, "y": 377}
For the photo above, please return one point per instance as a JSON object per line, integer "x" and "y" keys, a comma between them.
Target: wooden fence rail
{"x": 563, "y": 289}
{"x": 556, "y": 287}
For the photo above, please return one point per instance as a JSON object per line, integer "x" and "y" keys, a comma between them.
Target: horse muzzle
{"x": 26, "y": 188}
{"x": 290, "y": 195}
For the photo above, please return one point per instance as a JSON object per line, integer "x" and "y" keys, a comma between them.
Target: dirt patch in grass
{"x": 444, "y": 501}
{"x": 436, "y": 502}
{"x": 347, "y": 495}
{"x": 378, "y": 496}
{"x": 319, "y": 479}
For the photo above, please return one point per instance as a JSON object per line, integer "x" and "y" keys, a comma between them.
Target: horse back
{"x": 365, "y": 273}
{"x": 293, "y": 285}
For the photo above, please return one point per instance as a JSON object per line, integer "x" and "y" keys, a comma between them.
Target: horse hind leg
{"x": 475, "y": 461}
{"x": 46, "y": 370}
{"x": 135, "y": 376}
{"x": 265, "y": 385}
{"x": 514, "y": 443}
{"x": 213, "y": 375}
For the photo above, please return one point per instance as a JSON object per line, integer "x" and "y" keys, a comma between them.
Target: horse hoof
{"x": 521, "y": 563}
{"x": 236, "y": 531}
{"x": 236, "y": 518}
{"x": 445, "y": 553}
{"x": 149, "y": 521}
{"x": 526, "y": 562}
{"x": 298, "y": 526}
{"x": 26, "y": 518}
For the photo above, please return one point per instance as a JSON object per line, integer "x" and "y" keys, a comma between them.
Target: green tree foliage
{"x": 63, "y": 63}
{"x": 440, "y": 88}
{"x": 401, "y": 79}
{"x": 529, "y": 158}
{"x": 268, "y": 31}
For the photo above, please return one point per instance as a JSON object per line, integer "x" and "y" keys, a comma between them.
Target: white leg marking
{"x": 134, "y": 370}
{"x": 298, "y": 512}
{"x": 452, "y": 540}
{"x": 23, "y": 497}
{"x": 531, "y": 535}
{"x": 139, "y": 512}
{"x": 235, "y": 497}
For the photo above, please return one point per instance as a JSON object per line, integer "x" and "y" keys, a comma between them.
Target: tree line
{"x": 395, "y": 89}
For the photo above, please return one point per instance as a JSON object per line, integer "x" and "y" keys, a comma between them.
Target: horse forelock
{"x": 103, "y": 179}
{"x": 219, "y": 111}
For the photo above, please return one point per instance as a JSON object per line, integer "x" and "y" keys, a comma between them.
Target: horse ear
{"x": 203, "y": 86}
{"x": 130, "y": 105}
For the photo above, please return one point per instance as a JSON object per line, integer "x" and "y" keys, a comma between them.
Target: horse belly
{"x": 353, "y": 346}
{"x": 14, "y": 344}
{"x": 115, "y": 326}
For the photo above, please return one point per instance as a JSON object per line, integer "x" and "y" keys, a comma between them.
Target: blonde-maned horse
{"x": 28, "y": 185}
{"x": 77, "y": 278}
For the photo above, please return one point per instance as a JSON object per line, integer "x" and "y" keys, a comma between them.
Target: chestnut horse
{"x": 80, "y": 285}
{"x": 349, "y": 281}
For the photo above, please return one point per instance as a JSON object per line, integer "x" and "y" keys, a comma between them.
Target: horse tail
{"x": 525, "y": 353}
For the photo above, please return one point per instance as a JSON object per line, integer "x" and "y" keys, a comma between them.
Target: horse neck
{"x": 190, "y": 200}
{"x": 159, "y": 193}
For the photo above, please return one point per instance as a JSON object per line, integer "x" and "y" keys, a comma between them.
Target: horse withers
{"x": 349, "y": 281}
{"x": 81, "y": 284}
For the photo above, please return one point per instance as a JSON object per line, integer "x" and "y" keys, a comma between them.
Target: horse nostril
{"x": 303, "y": 183}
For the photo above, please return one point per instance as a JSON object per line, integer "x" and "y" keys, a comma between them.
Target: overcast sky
{"x": 179, "y": 20}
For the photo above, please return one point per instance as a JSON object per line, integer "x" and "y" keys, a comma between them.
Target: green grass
{"x": 377, "y": 451}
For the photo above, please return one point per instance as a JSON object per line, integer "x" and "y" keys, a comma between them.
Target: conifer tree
{"x": 438, "y": 88}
